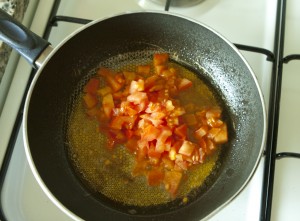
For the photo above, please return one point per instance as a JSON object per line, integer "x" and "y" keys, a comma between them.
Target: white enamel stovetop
{"x": 240, "y": 21}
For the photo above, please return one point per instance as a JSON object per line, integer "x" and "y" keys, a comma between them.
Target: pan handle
{"x": 20, "y": 38}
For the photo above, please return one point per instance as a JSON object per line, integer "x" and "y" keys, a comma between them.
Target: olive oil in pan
{"x": 109, "y": 171}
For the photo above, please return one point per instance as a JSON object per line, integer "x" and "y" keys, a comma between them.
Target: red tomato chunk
{"x": 141, "y": 110}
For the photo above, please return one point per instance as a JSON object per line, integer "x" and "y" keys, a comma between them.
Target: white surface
{"x": 241, "y": 21}
{"x": 287, "y": 179}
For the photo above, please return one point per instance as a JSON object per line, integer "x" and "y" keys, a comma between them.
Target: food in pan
{"x": 149, "y": 112}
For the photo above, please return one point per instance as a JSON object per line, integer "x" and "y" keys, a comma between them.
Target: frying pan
{"x": 61, "y": 72}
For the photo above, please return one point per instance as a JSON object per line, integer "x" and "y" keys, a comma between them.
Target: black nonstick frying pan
{"x": 63, "y": 70}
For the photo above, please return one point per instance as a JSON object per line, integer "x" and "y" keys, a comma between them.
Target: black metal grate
{"x": 277, "y": 59}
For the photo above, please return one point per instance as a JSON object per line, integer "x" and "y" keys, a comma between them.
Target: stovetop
{"x": 254, "y": 26}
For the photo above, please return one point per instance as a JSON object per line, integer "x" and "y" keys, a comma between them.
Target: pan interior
{"x": 107, "y": 172}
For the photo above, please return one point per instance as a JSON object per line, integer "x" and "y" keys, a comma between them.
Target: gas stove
{"x": 256, "y": 27}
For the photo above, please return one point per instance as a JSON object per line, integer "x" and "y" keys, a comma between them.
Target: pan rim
{"x": 30, "y": 160}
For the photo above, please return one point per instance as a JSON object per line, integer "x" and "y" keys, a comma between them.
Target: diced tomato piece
{"x": 184, "y": 84}
{"x": 182, "y": 164}
{"x": 155, "y": 122}
{"x": 164, "y": 134}
{"x": 127, "y": 108}
{"x": 181, "y": 131}
{"x": 210, "y": 147}
{"x": 160, "y": 58}
{"x": 150, "y": 133}
{"x": 129, "y": 76}
{"x": 137, "y": 97}
{"x": 131, "y": 144}
{"x": 114, "y": 84}
{"x": 187, "y": 148}
{"x": 136, "y": 86}
{"x": 167, "y": 74}
{"x": 123, "y": 121}
{"x": 190, "y": 119}
{"x": 143, "y": 69}
{"x": 120, "y": 78}
{"x": 108, "y": 104}
{"x": 172, "y": 153}
{"x": 93, "y": 112}
{"x": 104, "y": 72}
{"x": 172, "y": 180}
{"x": 104, "y": 91}
{"x": 159, "y": 69}
{"x": 92, "y": 86}
{"x": 169, "y": 105}
{"x": 213, "y": 122}
{"x": 150, "y": 81}
{"x": 153, "y": 153}
{"x": 110, "y": 79}
{"x": 215, "y": 113}
{"x": 213, "y": 132}
{"x": 201, "y": 155}
{"x": 167, "y": 163}
{"x": 90, "y": 100}
{"x": 155, "y": 177}
{"x": 140, "y": 164}
{"x": 222, "y": 136}
{"x": 178, "y": 111}
{"x": 201, "y": 132}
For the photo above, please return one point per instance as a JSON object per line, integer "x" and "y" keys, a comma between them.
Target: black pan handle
{"x": 16, "y": 35}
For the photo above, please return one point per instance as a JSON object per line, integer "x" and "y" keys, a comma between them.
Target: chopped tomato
{"x": 129, "y": 76}
{"x": 181, "y": 131}
{"x": 137, "y": 97}
{"x": 202, "y": 131}
{"x": 92, "y": 86}
{"x": 155, "y": 177}
{"x": 143, "y": 110}
{"x": 90, "y": 100}
{"x": 160, "y": 59}
{"x": 123, "y": 121}
{"x": 104, "y": 91}
{"x": 108, "y": 104}
{"x": 184, "y": 84}
{"x": 172, "y": 180}
{"x": 143, "y": 69}
{"x": 187, "y": 148}
{"x": 222, "y": 136}
{"x": 164, "y": 134}
{"x": 110, "y": 79}
{"x": 190, "y": 119}
{"x": 136, "y": 86}
{"x": 150, "y": 133}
